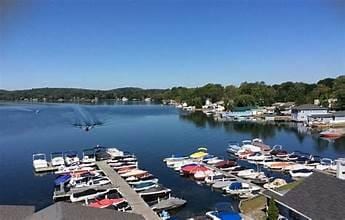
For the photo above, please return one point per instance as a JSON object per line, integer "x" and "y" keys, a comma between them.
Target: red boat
{"x": 225, "y": 164}
{"x": 104, "y": 203}
{"x": 331, "y": 133}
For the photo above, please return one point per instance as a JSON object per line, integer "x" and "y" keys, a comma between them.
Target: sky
{"x": 104, "y": 44}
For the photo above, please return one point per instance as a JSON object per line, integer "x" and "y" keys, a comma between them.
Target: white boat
{"x": 221, "y": 184}
{"x": 91, "y": 182}
{"x": 251, "y": 174}
{"x": 327, "y": 164}
{"x": 171, "y": 160}
{"x": 168, "y": 203}
{"x": 73, "y": 169}
{"x": 239, "y": 188}
{"x": 258, "y": 157}
{"x": 177, "y": 166}
{"x": 71, "y": 158}
{"x": 248, "y": 146}
{"x": 57, "y": 159}
{"x": 144, "y": 186}
{"x": 300, "y": 173}
{"x": 134, "y": 172}
{"x": 233, "y": 148}
{"x": 215, "y": 177}
{"x": 39, "y": 161}
{"x": 201, "y": 175}
{"x": 88, "y": 156}
{"x": 114, "y": 152}
{"x": 136, "y": 182}
{"x": 88, "y": 194}
{"x": 214, "y": 161}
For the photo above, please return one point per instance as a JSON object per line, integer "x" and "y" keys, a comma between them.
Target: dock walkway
{"x": 138, "y": 205}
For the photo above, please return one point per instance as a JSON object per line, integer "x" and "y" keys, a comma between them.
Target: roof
{"x": 16, "y": 212}
{"x": 71, "y": 211}
{"x": 329, "y": 115}
{"x": 320, "y": 196}
{"x": 339, "y": 114}
{"x": 242, "y": 109}
{"x": 309, "y": 107}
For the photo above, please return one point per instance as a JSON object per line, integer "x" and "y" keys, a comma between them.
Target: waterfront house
{"x": 301, "y": 113}
{"x": 63, "y": 211}
{"x": 241, "y": 112}
{"x": 318, "y": 197}
{"x": 335, "y": 118}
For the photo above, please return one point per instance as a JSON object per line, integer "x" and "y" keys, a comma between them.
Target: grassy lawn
{"x": 250, "y": 205}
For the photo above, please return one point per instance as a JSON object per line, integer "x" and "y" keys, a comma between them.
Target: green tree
{"x": 244, "y": 100}
{"x": 272, "y": 212}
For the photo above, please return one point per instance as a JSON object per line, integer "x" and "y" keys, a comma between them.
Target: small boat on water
{"x": 88, "y": 156}
{"x": 211, "y": 159}
{"x": 250, "y": 174}
{"x": 136, "y": 182}
{"x": 278, "y": 152}
{"x": 222, "y": 183}
{"x": 57, "y": 159}
{"x": 201, "y": 175}
{"x": 144, "y": 186}
{"x": 216, "y": 177}
{"x": 87, "y": 194}
{"x": 300, "y": 173}
{"x": 105, "y": 203}
{"x": 226, "y": 165}
{"x": 154, "y": 193}
{"x": 133, "y": 172}
{"x": 233, "y": 147}
{"x": 61, "y": 180}
{"x": 223, "y": 215}
{"x": 71, "y": 158}
{"x": 327, "y": 164}
{"x": 142, "y": 177}
{"x": 74, "y": 169}
{"x": 168, "y": 203}
{"x": 114, "y": 152}
{"x": 39, "y": 161}
{"x": 331, "y": 134}
{"x": 278, "y": 165}
{"x": 275, "y": 184}
{"x": 173, "y": 159}
{"x": 236, "y": 188}
{"x": 91, "y": 181}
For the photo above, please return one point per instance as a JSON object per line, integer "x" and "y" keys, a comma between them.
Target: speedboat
{"x": 39, "y": 161}
{"x": 88, "y": 156}
{"x": 57, "y": 159}
{"x": 136, "y": 182}
{"x": 142, "y": 177}
{"x": 211, "y": 179}
{"x": 154, "y": 193}
{"x": 239, "y": 188}
{"x": 168, "y": 203}
{"x": 105, "y": 203}
{"x": 222, "y": 183}
{"x": 87, "y": 194}
{"x": 258, "y": 156}
{"x": 73, "y": 169}
{"x": 114, "y": 152}
{"x": 236, "y": 169}
{"x": 134, "y": 172}
{"x": 170, "y": 161}
{"x": 91, "y": 181}
{"x": 223, "y": 215}
{"x": 249, "y": 174}
{"x": 275, "y": 184}
{"x": 144, "y": 186}
{"x": 331, "y": 133}
{"x": 225, "y": 164}
{"x": 71, "y": 157}
{"x": 278, "y": 152}
{"x": 62, "y": 180}
{"x": 210, "y": 159}
{"x": 178, "y": 166}
{"x": 278, "y": 165}
{"x": 201, "y": 175}
{"x": 300, "y": 173}
{"x": 327, "y": 164}
{"x": 201, "y": 153}
{"x": 233, "y": 147}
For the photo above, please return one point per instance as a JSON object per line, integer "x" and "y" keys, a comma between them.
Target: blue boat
{"x": 62, "y": 180}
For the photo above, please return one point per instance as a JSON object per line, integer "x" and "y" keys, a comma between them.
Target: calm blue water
{"x": 152, "y": 132}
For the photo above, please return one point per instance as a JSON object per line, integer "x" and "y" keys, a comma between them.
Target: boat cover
{"x": 235, "y": 185}
{"x": 62, "y": 179}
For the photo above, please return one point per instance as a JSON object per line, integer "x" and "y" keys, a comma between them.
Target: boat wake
{"x": 85, "y": 119}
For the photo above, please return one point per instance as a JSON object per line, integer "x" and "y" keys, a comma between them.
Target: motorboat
{"x": 62, "y": 180}
{"x": 201, "y": 175}
{"x": 71, "y": 158}
{"x": 170, "y": 161}
{"x": 236, "y": 188}
{"x": 200, "y": 153}
{"x": 236, "y": 169}
{"x": 327, "y": 164}
{"x": 136, "y": 182}
{"x": 87, "y": 194}
{"x": 278, "y": 165}
{"x": 114, "y": 152}
{"x": 88, "y": 156}
{"x": 226, "y": 165}
{"x": 222, "y": 183}
{"x": 300, "y": 173}
{"x": 101, "y": 153}
{"x": 39, "y": 161}
{"x": 233, "y": 147}
{"x": 193, "y": 168}
{"x": 57, "y": 159}
{"x": 278, "y": 152}
{"x": 211, "y": 179}
{"x": 105, "y": 203}
{"x": 258, "y": 156}
{"x": 122, "y": 167}
{"x": 73, "y": 169}
{"x": 168, "y": 203}
{"x": 247, "y": 145}
{"x": 275, "y": 184}
{"x": 249, "y": 174}
{"x": 211, "y": 159}
{"x": 144, "y": 186}
{"x": 154, "y": 193}
{"x": 134, "y": 172}
{"x": 331, "y": 134}
{"x": 223, "y": 215}
{"x": 178, "y": 166}
{"x": 142, "y": 177}
{"x": 91, "y": 181}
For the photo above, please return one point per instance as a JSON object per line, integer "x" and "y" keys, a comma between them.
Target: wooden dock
{"x": 138, "y": 205}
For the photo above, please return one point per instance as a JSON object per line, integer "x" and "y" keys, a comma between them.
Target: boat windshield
{"x": 39, "y": 157}
{"x": 56, "y": 154}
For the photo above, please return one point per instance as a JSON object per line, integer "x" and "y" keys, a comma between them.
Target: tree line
{"x": 246, "y": 94}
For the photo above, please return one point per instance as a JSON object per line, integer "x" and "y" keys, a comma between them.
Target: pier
{"x": 138, "y": 205}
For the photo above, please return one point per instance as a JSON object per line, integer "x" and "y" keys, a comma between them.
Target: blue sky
{"x": 159, "y": 44}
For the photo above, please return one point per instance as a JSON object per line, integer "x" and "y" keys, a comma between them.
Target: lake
{"x": 152, "y": 132}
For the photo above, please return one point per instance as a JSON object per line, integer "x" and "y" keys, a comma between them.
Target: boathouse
{"x": 63, "y": 211}
{"x": 301, "y": 113}
{"x": 318, "y": 197}
{"x": 335, "y": 118}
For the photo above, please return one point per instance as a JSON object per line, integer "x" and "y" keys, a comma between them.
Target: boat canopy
{"x": 62, "y": 179}
{"x": 235, "y": 185}
{"x": 202, "y": 149}
{"x": 71, "y": 154}
{"x": 198, "y": 154}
